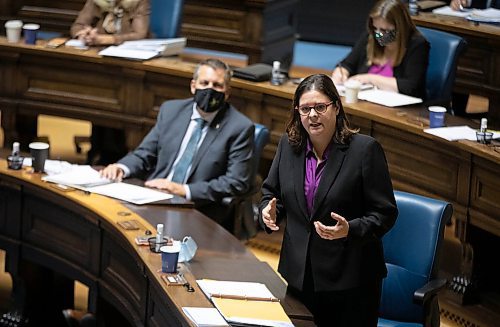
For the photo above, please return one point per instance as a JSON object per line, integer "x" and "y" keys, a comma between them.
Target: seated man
{"x": 200, "y": 148}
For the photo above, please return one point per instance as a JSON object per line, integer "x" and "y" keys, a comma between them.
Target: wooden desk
{"x": 479, "y": 67}
{"x": 76, "y": 236}
{"x": 127, "y": 94}
{"x": 264, "y": 30}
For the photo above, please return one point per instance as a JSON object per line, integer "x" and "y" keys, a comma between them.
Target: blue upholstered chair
{"x": 411, "y": 249}
{"x": 245, "y": 225}
{"x": 443, "y": 58}
{"x": 166, "y": 17}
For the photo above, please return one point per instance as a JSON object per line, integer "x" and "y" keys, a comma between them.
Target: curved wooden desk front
{"x": 76, "y": 235}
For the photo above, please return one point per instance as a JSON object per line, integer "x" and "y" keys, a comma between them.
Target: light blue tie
{"x": 180, "y": 170}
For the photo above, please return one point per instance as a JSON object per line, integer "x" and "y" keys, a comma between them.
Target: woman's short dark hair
{"x": 297, "y": 135}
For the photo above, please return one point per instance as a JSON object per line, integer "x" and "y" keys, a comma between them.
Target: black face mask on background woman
{"x": 209, "y": 100}
{"x": 383, "y": 38}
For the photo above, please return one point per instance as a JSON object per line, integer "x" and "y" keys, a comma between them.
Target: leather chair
{"x": 411, "y": 249}
{"x": 166, "y": 17}
{"x": 443, "y": 57}
{"x": 245, "y": 225}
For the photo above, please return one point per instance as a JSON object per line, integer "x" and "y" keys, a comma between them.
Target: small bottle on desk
{"x": 413, "y": 7}
{"x": 484, "y": 125}
{"x": 276, "y": 74}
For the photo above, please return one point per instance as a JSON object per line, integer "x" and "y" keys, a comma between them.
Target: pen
{"x": 244, "y": 297}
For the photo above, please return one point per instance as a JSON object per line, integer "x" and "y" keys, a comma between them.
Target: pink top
{"x": 382, "y": 70}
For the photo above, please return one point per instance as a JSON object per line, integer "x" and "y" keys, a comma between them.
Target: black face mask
{"x": 384, "y": 38}
{"x": 209, "y": 100}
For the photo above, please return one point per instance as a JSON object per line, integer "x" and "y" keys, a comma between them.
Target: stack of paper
{"x": 245, "y": 303}
{"x": 388, "y": 98}
{"x": 490, "y": 15}
{"x": 88, "y": 179}
{"x": 146, "y": 49}
{"x": 202, "y": 317}
{"x": 455, "y": 133}
{"x": 446, "y": 10}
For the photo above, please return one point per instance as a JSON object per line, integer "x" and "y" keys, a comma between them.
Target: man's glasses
{"x": 320, "y": 108}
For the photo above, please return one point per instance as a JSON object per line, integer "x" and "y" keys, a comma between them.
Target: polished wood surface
{"x": 264, "y": 30}
{"x": 76, "y": 235}
{"x": 127, "y": 94}
{"x": 478, "y": 68}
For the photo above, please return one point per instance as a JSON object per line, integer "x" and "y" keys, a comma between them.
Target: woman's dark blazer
{"x": 356, "y": 185}
{"x": 410, "y": 74}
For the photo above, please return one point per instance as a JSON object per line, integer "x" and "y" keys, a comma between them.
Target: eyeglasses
{"x": 320, "y": 108}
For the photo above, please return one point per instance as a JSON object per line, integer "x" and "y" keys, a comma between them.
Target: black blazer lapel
{"x": 332, "y": 168}
{"x": 298, "y": 173}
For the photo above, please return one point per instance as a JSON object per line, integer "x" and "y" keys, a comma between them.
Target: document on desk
{"x": 341, "y": 88}
{"x": 456, "y": 133}
{"x": 490, "y": 15}
{"x": 245, "y": 303}
{"x": 209, "y": 317}
{"x": 131, "y": 193}
{"x": 146, "y": 49}
{"x": 88, "y": 179}
{"x": 388, "y": 98}
{"x": 446, "y": 10}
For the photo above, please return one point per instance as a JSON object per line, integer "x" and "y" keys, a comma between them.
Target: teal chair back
{"x": 166, "y": 18}
{"x": 443, "y": 58}
{"x": 411, "y": 250}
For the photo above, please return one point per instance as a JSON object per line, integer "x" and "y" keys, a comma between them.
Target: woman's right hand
{"x": 458, "y": 4}
{"x": 340, "y": 75}
{"x": 269, "y": 215}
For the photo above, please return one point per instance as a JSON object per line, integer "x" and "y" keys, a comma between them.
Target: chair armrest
{"x": 426, "y": 292}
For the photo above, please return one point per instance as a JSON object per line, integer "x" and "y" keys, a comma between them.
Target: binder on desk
{"x": 245, "y": 303}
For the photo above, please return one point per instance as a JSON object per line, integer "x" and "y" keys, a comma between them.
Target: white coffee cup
{"x": 352, "y": 88}
{"x": 13, "y": 30}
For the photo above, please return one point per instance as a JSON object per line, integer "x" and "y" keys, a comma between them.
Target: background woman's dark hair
{"x": 297, "y": 135}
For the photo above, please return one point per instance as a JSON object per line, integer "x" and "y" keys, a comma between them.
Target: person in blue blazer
{"x": 221, "y": 157}
{"x": 332, "y": 186}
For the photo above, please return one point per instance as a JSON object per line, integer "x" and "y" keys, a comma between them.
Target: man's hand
{"x": 112, "y": 172}
{"x": 340, "y": 230}
{"x": 170, "y": 187}
{"x": 269, "y": 215}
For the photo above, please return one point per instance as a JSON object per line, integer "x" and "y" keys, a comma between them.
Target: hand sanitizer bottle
{"x": 276, "y": 73}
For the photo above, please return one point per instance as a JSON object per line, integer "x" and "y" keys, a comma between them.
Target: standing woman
{"x": 107, "y": 22}
{"x": 392, "y": 55}
{"x": 333, "y": 187}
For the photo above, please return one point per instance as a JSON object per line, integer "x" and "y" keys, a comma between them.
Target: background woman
{"x": 392, "y": 55}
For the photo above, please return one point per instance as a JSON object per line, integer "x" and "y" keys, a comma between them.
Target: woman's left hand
{"x": 339, "y": 230}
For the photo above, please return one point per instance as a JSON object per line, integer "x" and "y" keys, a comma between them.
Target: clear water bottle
{"x": 276, "y": 74}
{"x": 413, "y": 7}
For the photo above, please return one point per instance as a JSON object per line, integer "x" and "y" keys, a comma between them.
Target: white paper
{"x": 490, "y": 15}
{"x": 204, "y": 316}
{"x": 130, "y": 193}
{"x": 387, "y": 98}
{"x": 230, "y": 288}
{"x": 146, "y": 49}
{"x": 79, "y": 176}
{"x": 75, "y": 43}
{"x": 257, "y": 322}
{"x": 341, "y": 88}
{"x": 116, "y": 51}
{"x": 446, "y": 10}
{"x": 455, "y": 133}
